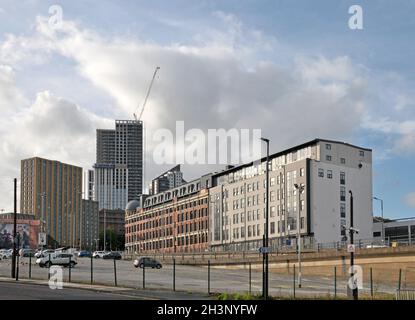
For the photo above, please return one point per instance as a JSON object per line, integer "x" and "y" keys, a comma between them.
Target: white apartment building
{"x": 326, "y": 169}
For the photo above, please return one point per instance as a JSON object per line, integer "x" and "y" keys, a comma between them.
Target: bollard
{"x": 371, "y": 283}
{"x": 30, "y": 266}
{"x": 174, "y": 274}
{"x": 208, "y": 276}
{"x": 335, "y": 282}
{"x": 92, "y": 270}
{"x": 115, "y": 273}
{"x": 250, "y": 279}
{"x": 70, "y": 269}
{"x": 294, "y": 281}
{"x": 144, "y": 274}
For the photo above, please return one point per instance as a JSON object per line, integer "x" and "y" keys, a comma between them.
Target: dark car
{"x": 147, "y": 262}
{"x": 84, "y": 254}
{"x": 112, "y": 255}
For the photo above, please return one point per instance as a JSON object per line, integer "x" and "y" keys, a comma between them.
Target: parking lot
{"x": 187, "y": 278}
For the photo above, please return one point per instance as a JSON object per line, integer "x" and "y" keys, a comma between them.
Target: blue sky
{"x": 306, "y": 46}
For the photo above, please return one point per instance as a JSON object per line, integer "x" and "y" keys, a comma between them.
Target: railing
{"x": 405, "y": 294}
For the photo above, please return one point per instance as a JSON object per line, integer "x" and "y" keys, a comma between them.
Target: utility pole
{"x": 351, "y": 232}
{"x": 265, "y": 253}
{"x": 300, "y": 189}
{"x": 13, "y": 273}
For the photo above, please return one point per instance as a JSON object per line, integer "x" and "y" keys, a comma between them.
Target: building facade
{"x": 112, "y": 220}
{"x": 90, "y": 224}
{"x": 396, "y": 230}
{"x": 325, "y": 170}
{"x": 118, "y": 171}
{"x": 52, "y": 191}
{"x": 172, "y": 221}
{"x": 168, "y": 180}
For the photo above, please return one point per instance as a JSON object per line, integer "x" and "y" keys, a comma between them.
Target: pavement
{"x": 39, "y": 290}
{"x": 190, "y": 280}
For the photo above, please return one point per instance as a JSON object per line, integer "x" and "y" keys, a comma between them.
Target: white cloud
{"x": 215, "y": 82}
{"x": 410, "y": 199}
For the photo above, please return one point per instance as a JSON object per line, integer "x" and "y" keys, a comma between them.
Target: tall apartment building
{"x": 172, "y": 221}
{"x": 326, "y": 169}
{"x": 168, "y": 180}
{"x": 52, "y": 191}
{"x": 118, "y": 176}
{"x": 90, "y": 224}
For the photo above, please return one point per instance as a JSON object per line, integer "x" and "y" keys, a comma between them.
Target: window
{"x": 330, "y": 174}
{"x": 272, "y": 196}
{"x": 342, "y": 178}
{"x": 302, "y": 223}
{"x": 272, "y": 227}
{"x": 361, "y": 153}
{"x": 301, "y": 205}
{"x": 342, "y": 194}
{"x": 328, "y": 146}
{"x": 272, "y": 211}
{"x": 343, "y": 160}
{"x": 249, "y": 231}
{"x": 377, "y": 234}
{"x": 321, "y": 173}
{"x": 328, "y": 157}
{"x": 342, "y": 210}
{"x": 302, "y": 172}
{"x": 272, "y": 181}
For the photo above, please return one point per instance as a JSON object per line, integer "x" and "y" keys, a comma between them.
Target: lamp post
{"x": 265, "y": 253}
{"x": 381, "y": 208}
{"x": 352, "y": 230}
{"x": 300, "y": 189}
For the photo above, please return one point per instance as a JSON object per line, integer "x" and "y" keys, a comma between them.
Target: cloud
{"x": 217, "y": 80}
{"x": 410, "y": 199}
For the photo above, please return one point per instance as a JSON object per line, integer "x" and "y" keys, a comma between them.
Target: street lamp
{"x": 265, "y": 252}
{"x": 381, "y": 208}
{"x": 300, "y": 189}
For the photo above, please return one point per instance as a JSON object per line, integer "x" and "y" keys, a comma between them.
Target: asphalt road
{"x": 188, "y": 278}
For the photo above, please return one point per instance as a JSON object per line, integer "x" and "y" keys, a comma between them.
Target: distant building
{"x": 172, "y": 221}
{"x": 52, "y": 191}
{"x": 90, "y": 185}
{"x": 168, "y": 180}
{"x": 112, "y": 220}
{"x": 399, "y": 230}
{"x": 27, "y": 226}
{"x": 90, "y": 224}
{"x": 118, "y": 169}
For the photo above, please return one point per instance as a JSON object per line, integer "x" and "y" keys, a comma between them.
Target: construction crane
{"x": 147, "y": 95}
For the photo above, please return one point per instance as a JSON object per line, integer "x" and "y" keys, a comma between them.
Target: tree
{"x": 115, "y": 241}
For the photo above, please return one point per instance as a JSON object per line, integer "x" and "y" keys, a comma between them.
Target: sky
{"x": 294, "y": 69}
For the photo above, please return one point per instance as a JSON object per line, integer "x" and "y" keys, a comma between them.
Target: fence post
{"x": 92, "y": 270}
{"x": 371, "y": 283}
{"x": 30, "y": 265}
{"x": 208, "y": 276}
{"x": 294, "y": 281}
{"x": 250, "y": 278}
{"x": 49, "y": 269}
{"x": 400, "y": 279}
{"x": 144, "y": 274}
{"x": 174, "y": 274}
{"x": 335, "y": 282}
{"x": 115, "y": 272}
{"x": 70, "y": 269}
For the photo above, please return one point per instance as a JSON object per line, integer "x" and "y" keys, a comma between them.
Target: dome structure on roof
{"x": 132, "y": 205}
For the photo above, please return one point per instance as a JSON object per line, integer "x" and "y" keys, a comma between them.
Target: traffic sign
{"x": 264, "y": 249}
{"x": 42, "y": 239}
{"x": 351, "y": 248}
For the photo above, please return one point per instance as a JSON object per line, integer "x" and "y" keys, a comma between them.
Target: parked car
{"x": 57, "y": 259}
{"x": 26, "y": 252}
{"x": 5, "y": 254}
{"x": 112, "y": 255}
{"x": 84, "y": 254}
{"x": 44, "y": 253}
{"x": 147, "y": 262}
{"x": 98, "y": 254}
